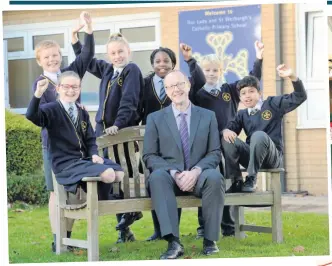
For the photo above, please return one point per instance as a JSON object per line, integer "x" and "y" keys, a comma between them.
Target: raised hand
{"x": 85, "y": 19}
{"x": 186, "y": 51}
{"x": 259, "y": 48}
{"x": 286, "y": 72}
{"x": 41, "y": 87}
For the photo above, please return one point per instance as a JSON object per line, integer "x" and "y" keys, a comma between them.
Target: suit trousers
{"x": 210, "y": 187}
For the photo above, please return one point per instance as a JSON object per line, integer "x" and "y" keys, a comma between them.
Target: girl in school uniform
{"x": 154, "y": 98}
{"x": 72, "y": 140}
{"x": 120, "y": 86}
{"x": 163, "y": 60}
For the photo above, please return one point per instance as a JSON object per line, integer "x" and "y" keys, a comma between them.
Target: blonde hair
{"x": 117, "y": 37}
{"x": 45, "y": 45}
{"x": 211, "y": 59}
{"x": 67, "y": 74}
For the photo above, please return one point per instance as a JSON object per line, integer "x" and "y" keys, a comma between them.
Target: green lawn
{"x": 30, "y": 238}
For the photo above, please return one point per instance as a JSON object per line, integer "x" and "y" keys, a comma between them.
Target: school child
{"x": 261, "y": 121}
{"x": 120, "y": 86}
{"x": 49, "y": 58}
{"x": 72, "y": 141}
{"x": 154, "y": 98}
{"x": 224, "y": 100}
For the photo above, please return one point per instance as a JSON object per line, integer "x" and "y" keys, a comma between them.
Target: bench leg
{"x": 276, "y": 209}
{"x": 92, "y": 221}
{"x": 61, "y": 221}
{"x": 61, "y": 230}
{"x": 239, "y": 220}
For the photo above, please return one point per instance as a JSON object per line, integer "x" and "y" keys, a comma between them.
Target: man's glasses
{"x": 179, "y": 85}
{"x": 66, "y": 87}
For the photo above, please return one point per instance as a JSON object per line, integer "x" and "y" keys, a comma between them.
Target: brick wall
{"x": 305, "y": 150}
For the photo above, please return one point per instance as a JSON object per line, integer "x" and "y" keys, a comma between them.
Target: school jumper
{"x": 72, "y": 144}
{"x": 264, "y": 143}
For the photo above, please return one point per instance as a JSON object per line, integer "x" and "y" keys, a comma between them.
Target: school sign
{"x": 228, "y": 32}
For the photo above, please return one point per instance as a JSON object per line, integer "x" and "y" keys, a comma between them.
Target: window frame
{"x": 113, "y": 23}
{"x": 305, "y": 13}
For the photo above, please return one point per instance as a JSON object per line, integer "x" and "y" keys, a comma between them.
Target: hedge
{"x": 23, "y": 145}
{"x": 29, "y": 188}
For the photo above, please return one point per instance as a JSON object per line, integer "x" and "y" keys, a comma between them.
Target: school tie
{"x": 57, "y": 77}
{"x": 214, "y": 92}
{"x": 162, "y": 90}
{"x": 71, "y": 112}
{"x": 184, "y": 134}
{"x": 115, "y": 76}
{"x": 254, "y": 111}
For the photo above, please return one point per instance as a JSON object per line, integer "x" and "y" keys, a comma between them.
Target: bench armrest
{"x": 91, "y": 179}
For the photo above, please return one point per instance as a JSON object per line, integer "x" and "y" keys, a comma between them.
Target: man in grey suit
{"x": 182, "y": 152}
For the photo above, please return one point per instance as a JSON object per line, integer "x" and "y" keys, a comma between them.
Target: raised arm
{"x": 288, "y": 102}
{"x": 82, "y": 61}
{"x": 197, "y": 78}
{"x": 256, "y": 70}
{"x": 96, "y": 67}
{"x": 34, "y": 112}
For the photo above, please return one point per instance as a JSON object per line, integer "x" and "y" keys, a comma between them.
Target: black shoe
{"x": 174, "y": 251}
{"x": 209, "y": 247}
{"x": 125, "y": 236}
{"x": 228, "y": 234}
{"x": 250, "y": 184}
{"x": 155, "y": 236}
{"x": 200, "y": 232}
{"x": 128, "y": 219}
{"x": 236, "y": 187}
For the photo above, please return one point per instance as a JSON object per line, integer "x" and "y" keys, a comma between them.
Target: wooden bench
{"x": 136, "y": 199}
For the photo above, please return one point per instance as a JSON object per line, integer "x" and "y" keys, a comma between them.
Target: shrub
{"x": 23, "y": 145}
{"x": 29, "y": 188}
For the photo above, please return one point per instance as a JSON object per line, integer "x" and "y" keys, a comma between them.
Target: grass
{"x": 30, "y": 238}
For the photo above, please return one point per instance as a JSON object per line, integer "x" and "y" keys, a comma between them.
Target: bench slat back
{"x": 129, "y": 139}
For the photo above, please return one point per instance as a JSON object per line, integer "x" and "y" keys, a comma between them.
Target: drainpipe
{"x": 279, "y": 81}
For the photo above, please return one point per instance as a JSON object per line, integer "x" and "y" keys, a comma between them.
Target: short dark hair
{"x": 248, "y": 81}
{"x": 168, "y": 51}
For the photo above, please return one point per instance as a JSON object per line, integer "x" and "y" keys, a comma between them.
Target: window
{"x": 139, "y": 34}
{"x": 15, "y": 44}
{"x": 101, "y": 36}
{"x": 142, "y": 32}
{"x": 59, "y": 38}
{"x": 311, "y": 41}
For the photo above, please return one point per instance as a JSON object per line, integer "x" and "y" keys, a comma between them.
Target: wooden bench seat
{"x": 89, "y": 208}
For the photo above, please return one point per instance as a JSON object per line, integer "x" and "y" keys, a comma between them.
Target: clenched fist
{"x": 41, "y": 87}
{"x": 186, "y": 51}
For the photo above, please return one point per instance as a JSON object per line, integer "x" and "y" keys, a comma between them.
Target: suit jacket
{"x": 162, "y": 142}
